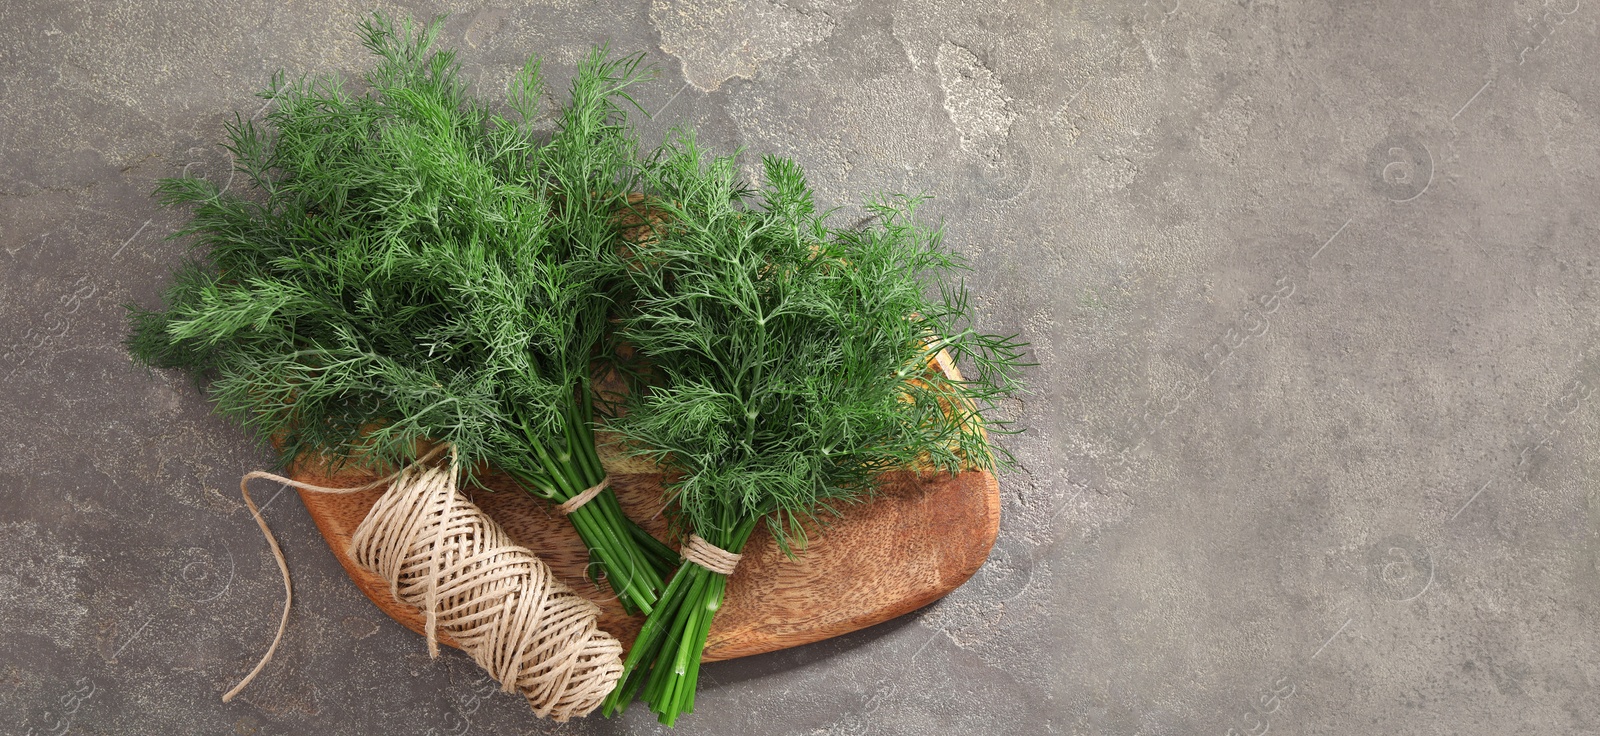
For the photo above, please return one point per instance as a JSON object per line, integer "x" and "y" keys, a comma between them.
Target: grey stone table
{"x": 1311, "y": 287}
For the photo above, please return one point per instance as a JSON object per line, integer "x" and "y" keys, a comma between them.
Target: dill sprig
{"x": 790, "y": 371}
{"x": 412, "y": 266}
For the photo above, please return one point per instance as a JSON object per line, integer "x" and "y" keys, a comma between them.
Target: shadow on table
{"x": 746, "y": 669}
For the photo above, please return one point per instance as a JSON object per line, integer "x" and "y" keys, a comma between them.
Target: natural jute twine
{"x": 441, "y": 553}
{"x": 710, "y": 556}
{"x": 576, "y": 502}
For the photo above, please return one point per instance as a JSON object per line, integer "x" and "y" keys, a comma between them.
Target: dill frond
{"x": 789, "y": 370}
{"x": 409, "y": 265}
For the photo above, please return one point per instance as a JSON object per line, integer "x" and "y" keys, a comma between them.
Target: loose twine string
{"x": 710, "y": 556}
{"x": 501, "y": 603}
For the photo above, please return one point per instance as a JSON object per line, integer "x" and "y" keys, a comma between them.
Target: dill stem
{"x": 626, "y": 568}
{"x": 673, "y": 638}
{"x": 666, "y": 680}
{"x": 714, "y": 597}
{"x": 645, "y": 647}
{"x": 581, "y": 442}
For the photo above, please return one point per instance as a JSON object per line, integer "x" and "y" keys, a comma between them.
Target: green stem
{"x": 582, "y": 438}
{"x": 719, "y": 586}
{"x": 652, "y": 559}
{"x": 663, "y": 666}
{"x": 627, "y": 568}
{"x": 668, "y": 678}
{"x": 635, "y": 671}
{"x": 663, "y": 557}
{"x": 660, "y": 557}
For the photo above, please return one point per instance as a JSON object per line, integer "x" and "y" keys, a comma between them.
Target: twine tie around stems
{"x": 710, "y": 556}
{"x": 570, "y": 505}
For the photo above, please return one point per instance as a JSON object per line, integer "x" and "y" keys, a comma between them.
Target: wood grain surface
{"x": 917, "y": 541}
{"x": 920, "y": 537}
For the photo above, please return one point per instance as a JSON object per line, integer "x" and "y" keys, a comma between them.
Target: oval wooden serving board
{"x": 918, "y": 539}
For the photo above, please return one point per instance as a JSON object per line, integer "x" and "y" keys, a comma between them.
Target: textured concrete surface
{"x": 1311, "y": 287}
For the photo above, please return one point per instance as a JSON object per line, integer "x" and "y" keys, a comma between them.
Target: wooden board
{"x": 918, "y": 539}
{"x": 913, "y": 544}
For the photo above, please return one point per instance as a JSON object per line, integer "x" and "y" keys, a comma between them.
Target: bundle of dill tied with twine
{"x": 409, "y": 269}
{"x": 421, "y": 286}
{"x": 789, "y": 371}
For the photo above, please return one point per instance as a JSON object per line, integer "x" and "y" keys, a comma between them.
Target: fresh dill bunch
{"x": 790, "y": 369}
{"x": 411, "y": 266}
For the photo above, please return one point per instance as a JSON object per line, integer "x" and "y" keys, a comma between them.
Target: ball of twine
{"x": 502, "y": 604}
{"x": 441, "y": 553}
